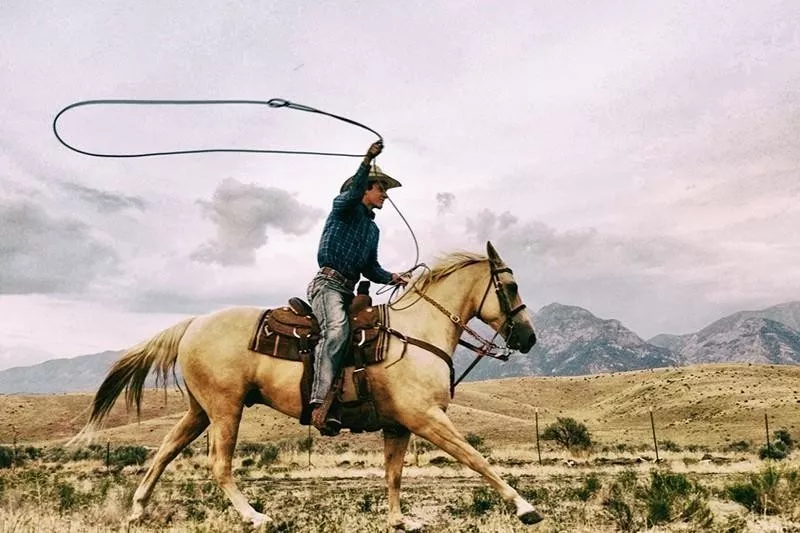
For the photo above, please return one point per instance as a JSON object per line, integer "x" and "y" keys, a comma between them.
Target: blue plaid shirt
{"x": 349, "y": 242}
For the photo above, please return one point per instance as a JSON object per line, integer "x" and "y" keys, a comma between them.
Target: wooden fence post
{"x": 766, "y": 425}
{"x": 14, "y": 447}
{"x": 310, "y": 445}
{"x": 538, "y": 449}
{"x": 653, "y": 427}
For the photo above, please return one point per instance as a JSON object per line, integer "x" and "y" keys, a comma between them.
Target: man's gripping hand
{"x": 400, "y": 279}
{"x": 375, "y": 149}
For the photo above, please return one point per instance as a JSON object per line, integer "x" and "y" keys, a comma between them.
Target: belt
{"x": 338, "y": 276}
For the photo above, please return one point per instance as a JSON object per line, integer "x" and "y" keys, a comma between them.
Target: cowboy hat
{"x": 375, "y": 174}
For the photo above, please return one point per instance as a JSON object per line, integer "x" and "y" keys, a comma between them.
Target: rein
{"x": 487, "y": 347}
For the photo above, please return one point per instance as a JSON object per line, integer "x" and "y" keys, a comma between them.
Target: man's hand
{"x": 374, "y": 150}
{"x": 400, "y": 279}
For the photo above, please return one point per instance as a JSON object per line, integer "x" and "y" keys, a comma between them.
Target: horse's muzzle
{"x": 522, "y": 341}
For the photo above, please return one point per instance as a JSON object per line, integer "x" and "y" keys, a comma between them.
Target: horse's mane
{"x": 445, "y": 266}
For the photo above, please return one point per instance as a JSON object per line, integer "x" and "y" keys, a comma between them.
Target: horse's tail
{"x": 130, "y": 372}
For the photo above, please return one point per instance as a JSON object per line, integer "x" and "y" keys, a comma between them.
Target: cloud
{"x": 243, "y": 213}
{"x": 105, "y": 201}
{"x": 40, "y": 253}
{"x": 445, "y": 202}
{"x": 639, "y": 280}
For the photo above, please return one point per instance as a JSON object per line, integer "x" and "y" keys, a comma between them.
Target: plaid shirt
{"x": 349, "y": 242}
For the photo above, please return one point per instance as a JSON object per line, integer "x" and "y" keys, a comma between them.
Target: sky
{"x": 637, "y": 159}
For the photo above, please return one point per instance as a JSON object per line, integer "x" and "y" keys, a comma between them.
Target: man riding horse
{"x": 348, "y": 249}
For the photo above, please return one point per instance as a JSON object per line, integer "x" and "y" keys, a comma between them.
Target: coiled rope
{"x": 275, "y": 103}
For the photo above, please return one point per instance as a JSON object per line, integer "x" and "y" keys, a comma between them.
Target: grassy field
{"x": 709, "y": 423}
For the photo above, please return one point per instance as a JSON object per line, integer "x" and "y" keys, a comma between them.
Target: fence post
{"x": 14, "y": 447}
{"x": 416, "y": 451}
{"x": 653, "y": 427}
{"x": 208, "y": 446}
{"x": 766, "y": 425}
{"x": 108, "y": 455}
{"x": 310, "y": 445}
{"x": 538, "y": 450}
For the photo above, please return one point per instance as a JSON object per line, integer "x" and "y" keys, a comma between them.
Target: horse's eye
{"x": 512, "y": 289}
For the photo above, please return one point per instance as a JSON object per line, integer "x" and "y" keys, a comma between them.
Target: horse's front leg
{"x": 395, "y": 444}
{"x": 435, "y": 426}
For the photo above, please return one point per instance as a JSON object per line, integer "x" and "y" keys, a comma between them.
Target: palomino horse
{"x": 411, "y": 386}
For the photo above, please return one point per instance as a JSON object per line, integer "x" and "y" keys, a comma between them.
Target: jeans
{"x": 329, "y": 300}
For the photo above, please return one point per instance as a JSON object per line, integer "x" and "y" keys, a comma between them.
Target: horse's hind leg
{"x": 395, "y": 443}
{"x": 223, "y": 433}
{"x": 181, "y": 435}
{"x": 435, "y": 426}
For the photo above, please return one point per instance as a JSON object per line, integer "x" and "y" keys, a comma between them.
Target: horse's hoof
{"x": 530, "y": 517}
{"x": 260, "y": 519}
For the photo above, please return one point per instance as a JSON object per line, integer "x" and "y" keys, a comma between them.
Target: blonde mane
{"x": 445, "y": 266}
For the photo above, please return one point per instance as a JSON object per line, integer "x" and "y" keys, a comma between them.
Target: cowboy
{"x": 348, "y": 249}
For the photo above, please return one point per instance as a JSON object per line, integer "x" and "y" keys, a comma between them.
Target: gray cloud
{"x": 445, "y": 202}
{"x": 40, "y": 253}
{"x": 243, "y": 213}
{"x": 105, "y": 201}
{"x": 639, "y": 280}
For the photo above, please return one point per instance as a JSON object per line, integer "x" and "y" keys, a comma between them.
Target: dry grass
{"x": 706, "y": 407}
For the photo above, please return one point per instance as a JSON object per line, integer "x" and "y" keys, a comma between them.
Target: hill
{"x": 703, "y": 405}
{"x": 771, "y": 335}
{"x": 81, "y": 373}
{"x": 573, "y": 342}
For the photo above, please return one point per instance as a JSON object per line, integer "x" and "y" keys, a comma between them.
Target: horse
{"x": 411, "y": 386}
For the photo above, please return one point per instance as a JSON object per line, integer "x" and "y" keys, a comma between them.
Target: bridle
{"x": 487, "y": 347}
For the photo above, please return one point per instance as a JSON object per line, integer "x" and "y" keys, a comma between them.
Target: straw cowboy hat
{"x": 375, "y": 174}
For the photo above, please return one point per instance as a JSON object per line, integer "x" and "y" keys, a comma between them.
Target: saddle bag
{"x": 285, "y": 333}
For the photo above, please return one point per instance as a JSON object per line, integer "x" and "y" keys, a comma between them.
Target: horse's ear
{"x": 494, "y": 257}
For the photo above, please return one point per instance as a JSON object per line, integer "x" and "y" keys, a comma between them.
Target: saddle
{"x": 292, "y": 332}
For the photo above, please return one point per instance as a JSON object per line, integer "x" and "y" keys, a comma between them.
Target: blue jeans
{"x": 329, "y": 300}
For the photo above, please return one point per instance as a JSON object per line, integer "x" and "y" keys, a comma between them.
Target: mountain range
{"x": 571, "y": 341}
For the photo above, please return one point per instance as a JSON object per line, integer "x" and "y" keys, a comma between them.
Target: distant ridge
{"x": 571, "y": 342}
{"x": 83, "y": 373}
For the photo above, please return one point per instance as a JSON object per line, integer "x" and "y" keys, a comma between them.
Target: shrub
{"x": 672, "y": 497}
{"x": 619, "y": 509}
{"x": 128, "y": 455}
{"x": 476, "y": 441}
{"x": 483, "y": 500}
{"x": 759, "y": 492}
{"x": 669, "y": 446}
{"x": 67, "y": 497}
{"x": 781, "y": 446}
{"x": 568, "y": 433}
{"x": 783, "y": 436}
{"x": 6, "y": 457}
{"x": 738, "y": 446}
{"x": 31, "y": 452}
{"x": 591, "y": 484}
{"x": 269, "y": 454}
{"x": 366, "y": 503}
{"x": 305, "y": 444}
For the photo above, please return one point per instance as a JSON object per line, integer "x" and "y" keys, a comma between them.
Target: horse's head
{"x": 504, "y": 311}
